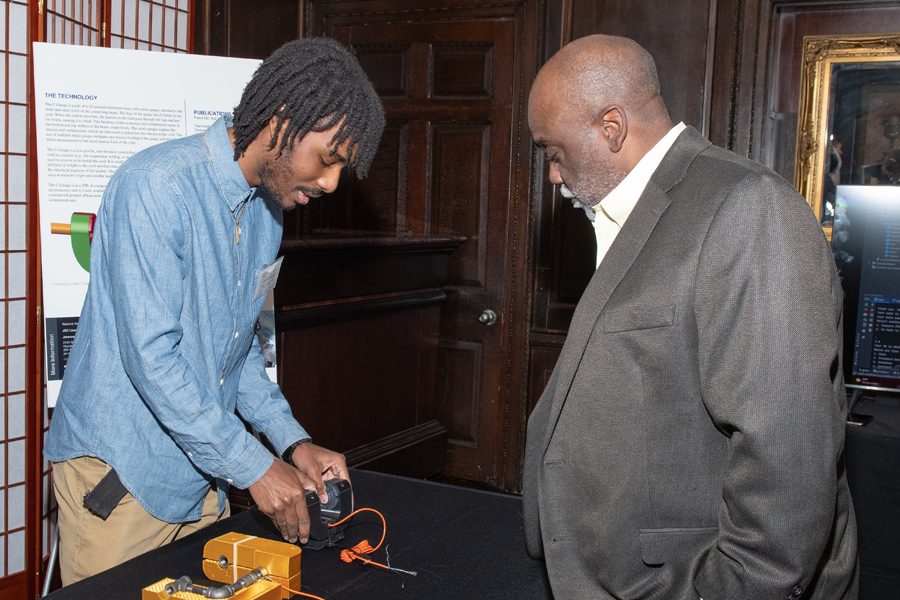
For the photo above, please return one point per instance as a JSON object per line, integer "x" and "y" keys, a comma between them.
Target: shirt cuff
{"x": 283, "y": 433}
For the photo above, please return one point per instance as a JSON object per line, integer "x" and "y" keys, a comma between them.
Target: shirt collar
{"x": 617, "y": 205}
{"x": 234, "y": 186}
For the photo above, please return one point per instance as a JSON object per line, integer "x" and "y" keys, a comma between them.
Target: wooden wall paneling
{"x": 558, "y": 26}
{"x": 736, "y": 69}
{"x": 545, "y": 352}
{"x": 723, "y": 85}
{"x": 322, "y": 270}
{"x": 460, "y": 153}
{"x": 244, "y": 28}
{"x": 529, "y": 45}
{"x": 365, "y": 371}
{"x": 419, "y": 452}
{"x": 460, "y": 94}
{"x": 358, "y": 322}
{"x": 385, "y": 184}
{"x": 459, "y": 379}
{"x": 361, "y": 381}
{"x": 565, "y": 259}
{"x": 677, "y": 35}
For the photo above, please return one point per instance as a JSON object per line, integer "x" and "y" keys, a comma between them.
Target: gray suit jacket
{"x": 689, "y": 442}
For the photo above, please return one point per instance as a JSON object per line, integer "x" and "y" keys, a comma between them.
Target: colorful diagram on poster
{"x": 81, "y": 230}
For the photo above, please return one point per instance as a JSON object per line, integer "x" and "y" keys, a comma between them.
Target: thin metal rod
{"x": 51, "y": 563}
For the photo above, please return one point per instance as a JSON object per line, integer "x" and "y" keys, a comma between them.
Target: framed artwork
{"x": 848, "y": 129}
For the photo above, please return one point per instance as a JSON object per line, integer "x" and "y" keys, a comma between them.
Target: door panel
{"x": 459, "y": 389}
{"x": 459, "y": 181}
{"x": 454, "y": 160}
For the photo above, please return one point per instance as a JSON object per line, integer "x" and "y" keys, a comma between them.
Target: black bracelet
{"x": 288, "y": 455}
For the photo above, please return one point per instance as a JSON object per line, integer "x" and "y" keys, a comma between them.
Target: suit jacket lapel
{"x": 618, "y": 260}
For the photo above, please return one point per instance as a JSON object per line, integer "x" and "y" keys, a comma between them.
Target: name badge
{"x": 267, "y": 278}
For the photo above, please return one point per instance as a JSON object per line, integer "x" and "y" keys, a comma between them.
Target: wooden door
{"x": 455, "y": 161}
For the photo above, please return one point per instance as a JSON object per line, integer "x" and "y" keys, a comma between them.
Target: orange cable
{"x": 364, "y": 547}
{"x": 383, "y": 522}
{"x": 296, "y": 593}
{"x": 348, "y": 555}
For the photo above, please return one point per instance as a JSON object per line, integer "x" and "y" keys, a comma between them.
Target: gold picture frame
{"x": 821, "y": 54}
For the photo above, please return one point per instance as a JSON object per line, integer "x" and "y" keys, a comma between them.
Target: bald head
{"x": 601, "y": 70}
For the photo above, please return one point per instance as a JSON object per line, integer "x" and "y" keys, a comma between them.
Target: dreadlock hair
{"x": 311, "y": 84}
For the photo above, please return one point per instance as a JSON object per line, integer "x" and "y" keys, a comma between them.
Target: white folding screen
{"x": 14, "y": 57}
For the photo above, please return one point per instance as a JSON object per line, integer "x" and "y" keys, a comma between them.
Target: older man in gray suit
{"x": 689, "y": 443}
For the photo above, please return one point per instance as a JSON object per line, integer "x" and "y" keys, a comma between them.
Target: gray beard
{"x": 567, "y": 193}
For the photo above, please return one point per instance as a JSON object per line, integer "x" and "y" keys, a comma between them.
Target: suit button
{"x": 797, "y": 591}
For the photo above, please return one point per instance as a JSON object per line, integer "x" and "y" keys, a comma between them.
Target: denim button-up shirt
{"x": 165, "y": 351}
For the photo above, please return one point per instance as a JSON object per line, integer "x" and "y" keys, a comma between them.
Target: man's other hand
{"x": 320, "y": 465}
{"x": 279, "y": 493}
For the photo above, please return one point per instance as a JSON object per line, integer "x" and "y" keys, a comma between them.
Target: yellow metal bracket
{"x": 229, "y": 557}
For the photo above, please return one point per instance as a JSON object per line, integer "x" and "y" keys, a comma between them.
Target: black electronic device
{"x": 322, "y": 517}
{"x": 866, "y": 245}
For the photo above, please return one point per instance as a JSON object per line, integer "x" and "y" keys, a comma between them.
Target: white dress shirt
{"x": 618, "y": 204}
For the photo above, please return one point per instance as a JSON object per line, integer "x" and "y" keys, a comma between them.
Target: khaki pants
{"x": 88, "y": 544}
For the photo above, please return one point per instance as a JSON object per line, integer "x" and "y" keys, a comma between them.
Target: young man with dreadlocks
{"x": 145, "y": 438}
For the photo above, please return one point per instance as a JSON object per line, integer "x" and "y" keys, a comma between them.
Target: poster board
{"x": 94, "y": 108}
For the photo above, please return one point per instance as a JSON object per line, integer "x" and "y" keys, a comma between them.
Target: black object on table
{"x": 873, "y": 471}
{"x": 463, "y": 543}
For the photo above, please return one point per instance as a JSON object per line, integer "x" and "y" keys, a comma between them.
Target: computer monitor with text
{"x": 866, "y": 247}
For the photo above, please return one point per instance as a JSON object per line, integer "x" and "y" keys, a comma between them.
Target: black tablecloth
{"x": 873, "y": 470}
{"x": 469, "y": 544}
{"x": 463, "y": 543}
